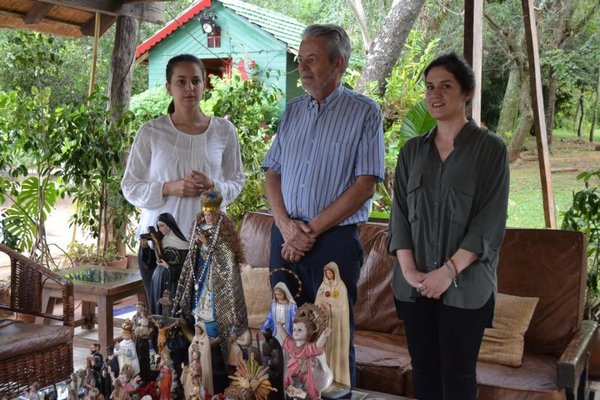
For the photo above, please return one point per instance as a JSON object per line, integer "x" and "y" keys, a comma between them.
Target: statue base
{"x": 336, "y": 391}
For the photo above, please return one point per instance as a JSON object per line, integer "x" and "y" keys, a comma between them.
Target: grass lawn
{"x": 525, "y": 206}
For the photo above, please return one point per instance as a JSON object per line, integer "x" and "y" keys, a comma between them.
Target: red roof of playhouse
{"x": 172, "y": 26}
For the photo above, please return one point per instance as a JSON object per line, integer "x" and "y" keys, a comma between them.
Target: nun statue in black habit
{"x": 170, "y": 253}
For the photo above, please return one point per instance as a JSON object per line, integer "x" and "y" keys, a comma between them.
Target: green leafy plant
{"x": 254, "y": 110}
{"x": 31, "y": 148}
{"x": 584, "y": 216}
{"x": 94, "y": 161}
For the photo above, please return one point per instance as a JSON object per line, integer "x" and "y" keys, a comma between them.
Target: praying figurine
{"x": 212, "y": 271}
{"x": 143, "y": 342}
{"x": 283, "y": 309}
{"x": 96, "y": 362}
{"x": 125, "y": 349}
{"x": 240, "y": 342}
{"x": 165, "y": 379}
{"x": 201, "y": 343}
{"x": 332, "y": 298}
{"x": 169, "y": 263}
{"x": 166, "y": 303}
{"x": 307, "y": 372}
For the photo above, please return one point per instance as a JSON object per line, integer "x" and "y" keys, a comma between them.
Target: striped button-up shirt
{"x": 320, "y": 150}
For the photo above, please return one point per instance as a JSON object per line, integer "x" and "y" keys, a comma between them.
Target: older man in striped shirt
{"x": 321, "y": 171}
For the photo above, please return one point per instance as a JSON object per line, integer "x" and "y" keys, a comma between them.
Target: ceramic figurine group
{"x": 302, "y": 351}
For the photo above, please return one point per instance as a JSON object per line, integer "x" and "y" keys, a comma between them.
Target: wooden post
{"x": 473, "y": 50}
{"x": 94, "y": 54}
{"x": 537, "y": 103}
{"x": 121, "y": 67}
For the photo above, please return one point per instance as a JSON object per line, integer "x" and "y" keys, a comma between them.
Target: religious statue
{"x": 307, "y": 372}
{"x": 125, "y": 349}
{"x": 271, "y": 356}
{"x": 201, "y": 343}
{"x": 332, "y": 298}
{"x": 165, "y": 379}
{"x": 143, "y": 341}
{"x": 169, "y": 262}
{"x": 240, "y": 342}
{"x": 210, "y": 289}
{"x": 283, "y": 309}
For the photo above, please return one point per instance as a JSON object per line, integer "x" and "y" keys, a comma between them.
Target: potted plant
{"x": 80, "y": 253}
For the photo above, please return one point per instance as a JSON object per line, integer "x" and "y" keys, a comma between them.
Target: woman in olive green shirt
{"x": 447, "y": 225}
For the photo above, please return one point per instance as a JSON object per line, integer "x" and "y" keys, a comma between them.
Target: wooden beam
{"x": 150, "y": 12}
{"x": 37, "y": 13}
{"x": 106, "y": 21}
{"x": 537, "y": 103}
{"x": 473, "y": 50}
{"x": 52, "y": 21}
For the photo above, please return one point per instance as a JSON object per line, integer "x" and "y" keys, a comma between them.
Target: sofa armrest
{"x": 27, "y": 281}
{"x": 573, "y": 361}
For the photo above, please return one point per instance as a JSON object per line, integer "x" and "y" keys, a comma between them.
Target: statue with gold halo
{"x": 210, "y": 288}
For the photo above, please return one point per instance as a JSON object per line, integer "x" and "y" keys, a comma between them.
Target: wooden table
{"x": 100, "y": 286}
{"x": 363, "y": 394}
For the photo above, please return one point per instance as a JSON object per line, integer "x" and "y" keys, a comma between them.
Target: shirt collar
{"x": 313, "y": 103}
{"x": 463, "y": 135}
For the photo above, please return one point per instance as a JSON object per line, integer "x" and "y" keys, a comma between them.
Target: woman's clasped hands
{"x": 432, "y": 284}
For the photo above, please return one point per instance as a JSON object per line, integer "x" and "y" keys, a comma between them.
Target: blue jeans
{"x": 339, "y": 244}
{"x": 443, "y": 343}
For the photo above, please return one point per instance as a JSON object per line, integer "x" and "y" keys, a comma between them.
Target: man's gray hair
{"x": 338, "y": 42}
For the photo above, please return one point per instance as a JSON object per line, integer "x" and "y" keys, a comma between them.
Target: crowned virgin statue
{"x": 210, "y": 288}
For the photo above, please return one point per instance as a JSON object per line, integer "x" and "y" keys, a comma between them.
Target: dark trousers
{"x": 146, "y": 264}
{"x": 339, "y": 244}
{"x": 443, "y": 343}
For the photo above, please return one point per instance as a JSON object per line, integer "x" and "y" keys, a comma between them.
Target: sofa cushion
{"x": 382, "y": 361}
{"x": 535, "y": 379}
{"x": 503, "y": 344}
{"x": 18, "y": 338}
{"x": 257, "y": 293}
{"x": 546, "y": 263}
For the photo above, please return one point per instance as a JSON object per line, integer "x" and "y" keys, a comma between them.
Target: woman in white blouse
{"x": 176, "y": 157}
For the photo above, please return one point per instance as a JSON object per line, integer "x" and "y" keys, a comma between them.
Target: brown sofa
{"x": 548, "y": 264}
{"x": 31, "y": 352}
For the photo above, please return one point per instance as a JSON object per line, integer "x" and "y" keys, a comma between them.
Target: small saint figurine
{"x": 332, "y": 298}
{"x": 201, "y": 343}
{"x": 96, "y": 362}
{"x": 283, "y": 309}
{"x": 307, "y": 368}
{"x": 125, "y": 349}
{"x": 175, "y": 247}
{"x": 240, "y": 342}
{"x": 165, "y": 379}
{"x": 143, "y": 342}
{"x": 212, "y": 271}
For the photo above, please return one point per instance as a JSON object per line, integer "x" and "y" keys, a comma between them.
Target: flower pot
{"x": 120, "y": 262}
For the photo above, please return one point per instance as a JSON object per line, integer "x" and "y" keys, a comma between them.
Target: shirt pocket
{"x": 463, "y": 195}
{"x": 414, "y": 192}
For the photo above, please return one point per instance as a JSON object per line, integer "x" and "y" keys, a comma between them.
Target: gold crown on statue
{"x": 211, "y": 201}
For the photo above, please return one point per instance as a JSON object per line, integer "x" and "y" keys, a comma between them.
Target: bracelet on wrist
{"x": 451, "y": 273}
{"x": 453, "y": 265}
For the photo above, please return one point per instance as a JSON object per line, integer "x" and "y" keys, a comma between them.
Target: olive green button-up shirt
{"x": 439, "y": 207}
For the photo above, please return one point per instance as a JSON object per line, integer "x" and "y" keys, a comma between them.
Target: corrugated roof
{"x": 282, "y": 27}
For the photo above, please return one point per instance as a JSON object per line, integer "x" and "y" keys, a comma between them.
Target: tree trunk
{"x": 551, "y": 103}
{"x": 119, "y": 92}
{"x": 582, "y": 115}
{"x": 387, "y": 46}
{"x": 121, "y": 68}
{"x": 510, "y": 104}
{"x": 525, "y": 120}
{"x": 595, "y": 109}
{"x": 359, "y": 13}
